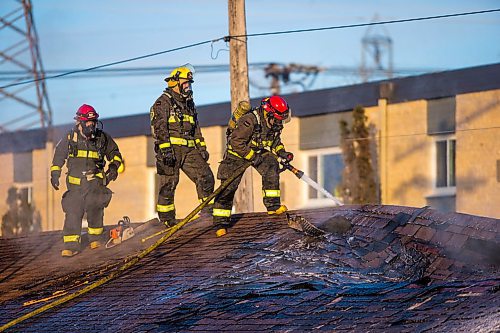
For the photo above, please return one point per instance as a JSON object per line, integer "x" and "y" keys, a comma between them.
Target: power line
{"x": 367, "y": 24}
{"x": 222, "y": 68}
{"x": 108, "y": 64}
{"x": 199, "y": 68}
{"x": 226, "y": 38}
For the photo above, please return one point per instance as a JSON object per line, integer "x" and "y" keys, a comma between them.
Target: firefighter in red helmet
{"x": 86, "y": 150}
{"x": 255, "y": 139}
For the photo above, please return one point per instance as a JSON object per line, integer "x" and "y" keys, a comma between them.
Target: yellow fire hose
{"x": 132, "y": 261}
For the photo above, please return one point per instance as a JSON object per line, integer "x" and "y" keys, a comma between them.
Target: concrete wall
{"x": 408, "y": 169}
{"x": 131, "y": 189}
{"x": 478, "y": 150}
{"x": 41, "y": 185}
{"x": 321, "y": 131}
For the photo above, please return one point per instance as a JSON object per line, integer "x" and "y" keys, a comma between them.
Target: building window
{"x": 23, "y": 167}
{"x": 325, "y": 169}
{"x": 445, "y": 163}
{"x": 443, "y": 195}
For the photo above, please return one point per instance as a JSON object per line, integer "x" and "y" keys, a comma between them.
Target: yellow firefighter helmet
{"x": 183, "y": 72}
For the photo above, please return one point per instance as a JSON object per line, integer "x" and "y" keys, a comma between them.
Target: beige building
{"x": 434, "y": 138}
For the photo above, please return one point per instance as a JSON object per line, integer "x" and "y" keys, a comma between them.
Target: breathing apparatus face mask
{"x": 276, "y": 124}
{"x": 272, "y": 122}
{"x": 89, "y": 129}
{"x": 186, "y": 90}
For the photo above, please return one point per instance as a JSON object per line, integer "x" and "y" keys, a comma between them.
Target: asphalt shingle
{"x": 385, "y": 274}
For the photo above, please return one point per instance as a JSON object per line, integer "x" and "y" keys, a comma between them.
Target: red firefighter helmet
{"x": 276, "y": 107}
{"x": 86, "y": 113}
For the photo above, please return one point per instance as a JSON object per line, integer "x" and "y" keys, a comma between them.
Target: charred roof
{"x": 395, "y": 269}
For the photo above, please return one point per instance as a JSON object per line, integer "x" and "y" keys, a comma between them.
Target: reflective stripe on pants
{"x": 221, "y": 212}
{"x": 271, "y": 193}
{"x": 165, "y": 208}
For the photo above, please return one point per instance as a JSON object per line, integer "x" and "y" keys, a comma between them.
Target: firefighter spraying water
{"x": 254, "y": 139}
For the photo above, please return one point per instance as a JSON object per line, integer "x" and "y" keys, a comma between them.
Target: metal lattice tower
{"x": 27, "y": 105}
{"x": 376, "y": 53}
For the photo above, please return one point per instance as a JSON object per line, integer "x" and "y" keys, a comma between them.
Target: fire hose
{"x": 128, "y": 262}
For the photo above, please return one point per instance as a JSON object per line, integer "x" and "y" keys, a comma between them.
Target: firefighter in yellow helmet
{"x": 179, "y": 144}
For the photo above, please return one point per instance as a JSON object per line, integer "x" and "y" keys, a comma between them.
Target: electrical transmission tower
{"x": 376, "y": 53}
{"x": 288, "y": 75}
{"x": 22, "y": 106}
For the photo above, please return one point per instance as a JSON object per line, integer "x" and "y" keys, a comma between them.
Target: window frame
{"x": 443, "y": 190}
{"x": 317, "y": 202}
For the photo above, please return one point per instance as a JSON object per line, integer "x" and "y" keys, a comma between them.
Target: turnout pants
{"x": 89, "y": 197}
{"x": 189, "y": 160}
{"x": 268, "y": 169}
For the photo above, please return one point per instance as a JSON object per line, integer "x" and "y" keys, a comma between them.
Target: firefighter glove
{"x": 112, "y": 172}
{"x": 204, "y": 154}
{"x": 285, "y": 155}
{"x": 168, "y": 157}
{"x": 257, "y": 160}
{"x": 54, "y": 178}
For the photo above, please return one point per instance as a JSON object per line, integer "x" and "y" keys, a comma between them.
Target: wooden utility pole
{"x": 238, "y": 64}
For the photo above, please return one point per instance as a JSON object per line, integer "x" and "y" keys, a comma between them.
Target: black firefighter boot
{"x": 206, "y": 212}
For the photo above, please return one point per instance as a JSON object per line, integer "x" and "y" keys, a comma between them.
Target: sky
{"x": 84, "y": 34}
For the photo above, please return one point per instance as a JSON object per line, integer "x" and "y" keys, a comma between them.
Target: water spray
{"x": 300, "y": 175}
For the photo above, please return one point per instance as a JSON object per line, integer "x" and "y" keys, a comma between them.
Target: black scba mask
{"x": 89, "y": 129}
{"x": 186, "y": 90}
{"x": 277, "y": 125}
